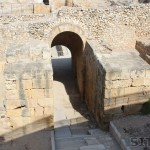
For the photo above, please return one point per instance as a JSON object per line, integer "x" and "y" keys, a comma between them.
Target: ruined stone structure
{"x": 110, "y": 56}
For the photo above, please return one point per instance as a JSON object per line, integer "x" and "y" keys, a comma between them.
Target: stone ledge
{"x": 143, "y": 46}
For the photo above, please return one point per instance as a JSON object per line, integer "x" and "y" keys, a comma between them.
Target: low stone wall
{"x": 116, "y": 83}
{"x": 27, "y": 94}
{"x": 24, "y": 8}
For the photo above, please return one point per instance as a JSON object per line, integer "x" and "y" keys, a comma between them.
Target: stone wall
{"x": 116, "y": 83}
{"x": 27, "y": 91}
{"x": 98, "y": 25}
{"x": 25, "y": 8}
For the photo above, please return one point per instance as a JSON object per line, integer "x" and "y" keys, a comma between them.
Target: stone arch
{"x": 46, "y": 2}
{"x": 74, "y": 38}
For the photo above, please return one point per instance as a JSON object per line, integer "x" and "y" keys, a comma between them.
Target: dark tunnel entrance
{"x": 74, "y": 43}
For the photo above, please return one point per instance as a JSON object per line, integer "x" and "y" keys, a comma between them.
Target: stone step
{"x": 74, "y": 137}
{"x": 68, "y": 148}
{"x": 97, "y": 132}
{"x": 79, "y": 131}
{"x": 63, "y": 132}
{"x": 93, "y": 147}
{"x": 70, "y": 144}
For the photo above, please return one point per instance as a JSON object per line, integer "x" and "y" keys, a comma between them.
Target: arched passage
{"x": 75, "y": 43}
{"x": 46, "y": 2}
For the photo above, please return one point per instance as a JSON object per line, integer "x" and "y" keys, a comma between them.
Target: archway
{"x": 76, "y": 46}
{"x": 46, "y": 2}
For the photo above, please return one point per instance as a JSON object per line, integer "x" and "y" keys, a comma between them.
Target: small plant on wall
{"x": 146, "y": 108}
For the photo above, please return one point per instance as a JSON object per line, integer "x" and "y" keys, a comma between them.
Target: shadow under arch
{"x": 74, "y": 39}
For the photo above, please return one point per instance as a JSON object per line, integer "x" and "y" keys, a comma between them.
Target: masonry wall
{"x": 27, "y": 95}
{"x": 111, "y": 93}
{"x": 120, "y": 26}
{"x": 98, "y": 25}
{"x": 24, "y": 8}
{"x": 94, "y": 84}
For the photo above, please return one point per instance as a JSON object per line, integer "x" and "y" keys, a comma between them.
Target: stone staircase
{"x": 95, "y": 139}
{"x": 75, "y": 127}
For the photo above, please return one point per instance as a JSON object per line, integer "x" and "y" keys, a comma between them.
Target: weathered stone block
{"x": 114, "y": 93}
{"x": 6, "y": 8}
{"x": 46, "y": 54}
{"x": 37, "y": 93}
{"x": 136, "y": 99}
{"x": 48, "y": 75}
{"x": 48, "y": 93}
{"x": 148, "y": 73}
{"x": 16, "y": 8}
{"x": 39, "y": 111}
{"x": 137, "y": 74}
{"x": 2, "y": 108}
{"x": 28, "y": 112}
{"x": 32, "y": 102}
{"x": 11, "y": 59}
{"x": 112, "y": 76}
{"x": 13, "y": 104}
{"x": 146, "y": 90}
{"x": 24, "y": 84}
{"x": 14, "y": 113}
{"x": 36, "y": 54}
{"x": 48, "y": 111}
{"x": 42, "y": 84}
{"x": 17, "y": 122}
{"x": 12, "y": 94}
{"x": 11, "y": 85}
{"x": 147, "y": 81}
{"x": 112, "y": 110}
{"x": 118, "y": 84}
{"x": 39, "y": 8}
{"x": 133, "y": 91}
{"x": 27, "y": 8}
{"x": 25, "y": 94}
{"x": 121, "y": 101}
{"x": 109, "y": 102}
{"x": 5, "y": 123}
{"x": 138, "y": 82}
{"x": 26, "y": 76}
{"x": 10, "y": 76}
{"x": 45, "y": 102}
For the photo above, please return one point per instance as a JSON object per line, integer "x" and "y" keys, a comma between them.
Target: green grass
{"x": 146, "y": 108}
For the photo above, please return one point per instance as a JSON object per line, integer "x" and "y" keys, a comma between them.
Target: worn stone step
{"x": 91, "y": 140}
{"x": 93, "y": 147}
{"x": 70, "y": 144}
{"x": 79, "y": 131}
{"x": 74, "y": 137}
{"x": 76, "y": 148}
{"x": 97, "y": 132}
{"x": 63, "y": 132}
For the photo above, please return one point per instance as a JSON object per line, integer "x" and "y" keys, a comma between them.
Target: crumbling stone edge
{"x": 116, "y": 134}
